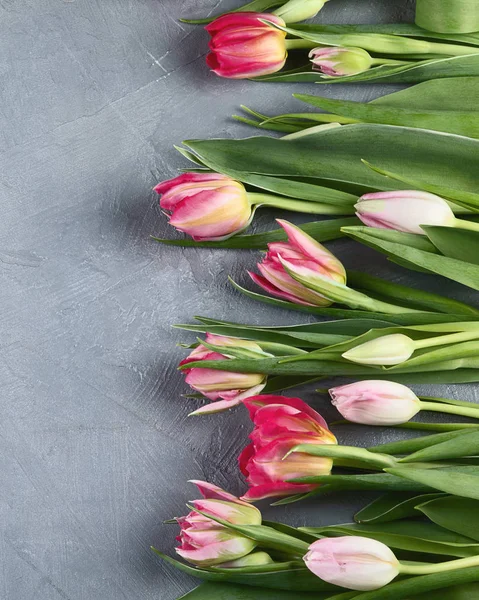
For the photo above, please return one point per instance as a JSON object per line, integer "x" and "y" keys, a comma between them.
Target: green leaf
{"x": 455, "y": 16}
{"x": 418, "y": 443}
{"x": 321, "y": 231}
{"x": 254, "y": 6}
{"x": 231, "y": 591}
{"x": 463, "y": 481}
{"x": 336, "y": 155}
{"x": 457, "y": 243}
{"x": 374, "y": 481}
{"x": 457, "y": 270}
{"x": 466, "y": 444}
{"x": 392, "y": 507}
{"x": 456, "y": 514}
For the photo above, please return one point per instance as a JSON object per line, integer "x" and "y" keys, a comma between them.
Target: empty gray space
{"x": 95, "y": 444}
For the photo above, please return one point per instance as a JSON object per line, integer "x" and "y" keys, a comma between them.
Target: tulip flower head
{"x": 375, "y": 402}
{"x": 404, "y": 210}
{"x": 205, "y": 542}
{"x": 207, "y": 206}
{"x": 339, "y": 61}
{"x": 301, "y": 254}
{"x": 225, "y": 388}
{"x": 352, "y": 562}
{"x": 299, "y": 10}
{"x": 387, "y": 350}
{"x": 280, "y": 424}
{"x": 242, "y": 46}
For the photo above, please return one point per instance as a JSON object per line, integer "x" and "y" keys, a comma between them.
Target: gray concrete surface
{"x": 95, "y": 444}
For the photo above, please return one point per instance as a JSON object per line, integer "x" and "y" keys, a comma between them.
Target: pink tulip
{"x": 225, "y": 388}
{"x": 375, "y": 402}
{"x": 340, "y": 61}
{"x": 280, "y": 424}
{"x": 242, "y": 46}
{"x": 207, "y": 206}
{"x": 353, "y": 562}
{"x": 204, "y": 542}
{"x": 404, "y": 210}
{"x": 303, "y": 255}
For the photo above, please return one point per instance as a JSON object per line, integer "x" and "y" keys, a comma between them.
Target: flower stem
{"x": 300, "y": 44}
{"x": 376, "y": 62}
{"x": 443, "y": 340}
{"x": 451, "y": 409}
{"x": 429, "y": 569}
{"x": 463, "y": 224}
{"x": 315, "y": 208}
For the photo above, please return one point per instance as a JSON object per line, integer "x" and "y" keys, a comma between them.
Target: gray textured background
{"x": 95, "y": 442}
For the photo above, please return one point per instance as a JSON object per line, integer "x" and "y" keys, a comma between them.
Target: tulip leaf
{"x": 423, "y": 584}
{"x": 456, "y": 514}
{"x": 419, "y": 443}
{"x": 412, "y": 536}
{"x": 424, "y": 70}
{"x": 393, "y": 507}
{"x": 455, "y": 242}
{"x": 457, "y": 270}
{"x": 336, "y": 155}
{"x": 466, "y": 444}
{"x": 370, "y": 481}
{"x": 462, "y": 481}
{"x": 254, "y": 6}
{"x": 230, "y": 591}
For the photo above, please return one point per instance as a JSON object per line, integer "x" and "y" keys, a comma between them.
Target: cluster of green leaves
{"x": 447, "y": 105}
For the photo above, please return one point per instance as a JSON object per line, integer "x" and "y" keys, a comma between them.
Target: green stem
{"x": 451, "y": 409}
{"x": 463, "y": 224}
{"x": 375, "y": 62}
{"x": 300, "y": 44}
{"x": 452, "y": 49}
{"x": 360, "y": 455}
{"x": 443, "y": 340}
{"x": 452, "y": 565}
{"x": 315, "y": 208}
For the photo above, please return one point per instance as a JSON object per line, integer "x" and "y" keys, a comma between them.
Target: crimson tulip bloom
{"x": 225, "y": 388}
{"x": 207, "y": 206}
{"x": 205, "y": 542}
{"x": 280, "y": 424}
{"x": 301, "y": 254}
{"x": 242, "y": 46}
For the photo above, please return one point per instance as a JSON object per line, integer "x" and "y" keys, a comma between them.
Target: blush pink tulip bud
{"x": 404, "y": 211}
{"x": 203, "y": 541}
{"x": 280, "y": 424}
{"x": 353, "y": 562}
{"x": 386, "y": 351}
{"x": 207, "y": 206}
{"x": 225, "y": 388}
{"x": 301, "y": 254}
{"x": 375, "y": 402}
{"x": 243, "y": 46}
{"x": 337, "y": 62}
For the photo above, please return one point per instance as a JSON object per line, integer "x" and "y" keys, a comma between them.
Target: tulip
{"x": 225, "y": 388}
{"x": 404, "y": 211}
{"x": 339, "y": 61}
{"x": 299, "y": 10}
{"x": 301, "y": 254}
{"x": 204, "y": 542}
{"x": 207, "y": 206}
{"x": 375, "y": 402}
{"x": 280, "y": 424}
{"x": 256, "y": 559}
{"x": 243, "y": 46}
{"x": 387, "y": 350}
{"x": 353, "y": 562}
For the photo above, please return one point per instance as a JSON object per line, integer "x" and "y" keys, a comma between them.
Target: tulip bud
{"x": 204, "y": 542}
{"x": 375, "y": 402}
{"x": 385, "y": 351}
{"x": 243, "y": 46}
{"x": 303, "y": 254}
{"x": 352, "y": 562}
{"x": 339, "y": 61}
{"x": 404, "y": 210}
{"x": 299, "y": 10}
{"x": 225, "y": 388}
{"x": 207, "y": 206}
{"x": 256, "y": 559}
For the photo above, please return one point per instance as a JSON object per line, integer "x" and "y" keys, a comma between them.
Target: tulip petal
{"x": 213, "y": 492}
{"x": 220, "y": 405}
{"x": 255, "y": 403}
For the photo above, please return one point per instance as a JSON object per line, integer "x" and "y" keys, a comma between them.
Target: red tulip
{"x": 301, "y": 254}
{"x": 242, "y": 46}
{"x": 207, "y": 206}
{"x": 226, "y": 388}
{"x": 205, "y": 542}
{"x": 280, "y": 424}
